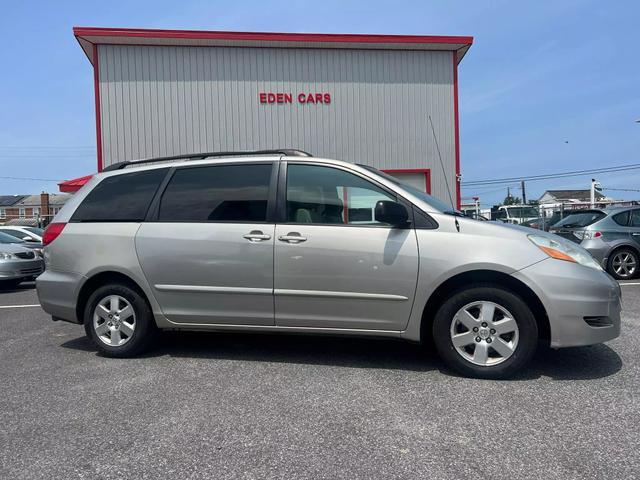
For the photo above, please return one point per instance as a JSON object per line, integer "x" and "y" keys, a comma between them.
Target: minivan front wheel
{"x": 119, "y": 321}
{"x": 485, "y": 332}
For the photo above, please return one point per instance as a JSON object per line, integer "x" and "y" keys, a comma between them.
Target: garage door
{"x": 420, "y": 179}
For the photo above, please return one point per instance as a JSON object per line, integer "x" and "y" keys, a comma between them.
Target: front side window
{"x": 325, "y": 195}
{"x": 219, "y": 193}
{"x": 120, "y": 198}
{"x": 635, "y": 218}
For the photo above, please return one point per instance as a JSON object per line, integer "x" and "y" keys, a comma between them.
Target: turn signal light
{"x": 52, "y": 232}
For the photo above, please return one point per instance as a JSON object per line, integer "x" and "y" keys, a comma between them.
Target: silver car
{"x": 17, "y": 263}
{"x": 281, "y": 241}
{"x": 611, "y": 235}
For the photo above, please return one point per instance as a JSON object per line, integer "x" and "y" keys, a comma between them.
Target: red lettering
{"x": 310, "y": 98}
{"x": 280, "y": 98}
{"x": 271, "y": 97}
{"x": 263, "y": 97}
{"x": 327, "y": 98}
{"x": 318, "y": 98}
{"x": 301, "y": 98}
{"x": 287, "y": 98}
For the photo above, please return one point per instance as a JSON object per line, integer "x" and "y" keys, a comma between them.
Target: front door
{"x": 209, "y": 253}
{"x": 335, "y": 266}
{"x": 635, "y": 226}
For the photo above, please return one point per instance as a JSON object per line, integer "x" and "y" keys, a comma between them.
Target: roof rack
{"x": 200, "y": 156}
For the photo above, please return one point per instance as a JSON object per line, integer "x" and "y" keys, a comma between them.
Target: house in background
{"x": 35, "y": 210}
{"x": 570, "y": 196}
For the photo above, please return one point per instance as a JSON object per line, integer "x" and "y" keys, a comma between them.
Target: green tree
{"x": 511, "y": 200}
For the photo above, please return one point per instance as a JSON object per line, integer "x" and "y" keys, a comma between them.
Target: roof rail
{"x": 200, "y": 156}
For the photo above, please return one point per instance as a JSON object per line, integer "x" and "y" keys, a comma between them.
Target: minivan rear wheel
{"x": 485, "y": 332}
{"x": 623, "y": 264}
{"x": 119, "y": 321}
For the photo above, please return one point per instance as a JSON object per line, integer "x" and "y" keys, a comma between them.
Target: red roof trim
{"x": 267, "y": 36}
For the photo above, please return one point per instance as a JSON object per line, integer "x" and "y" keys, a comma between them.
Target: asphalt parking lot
{"x": 263, "y": 406}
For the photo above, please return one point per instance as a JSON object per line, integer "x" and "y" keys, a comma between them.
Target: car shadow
{"x": 19, "y": 288}
{"x": 580, "y": 363}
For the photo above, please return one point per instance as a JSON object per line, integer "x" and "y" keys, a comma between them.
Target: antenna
{"x": 446, "y": 180}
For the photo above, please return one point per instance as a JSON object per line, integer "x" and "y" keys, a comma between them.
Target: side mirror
{"x": 28, "y": 239}
{"x": 392, "y": 213}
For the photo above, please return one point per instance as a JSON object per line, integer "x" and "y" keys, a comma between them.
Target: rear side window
{"x": 581, "y": 219}
{"x": 222, "y": 193}
{"x": 121, "y": 198}
{"x": 622, "y": 218}
{"x": 635, "y": 218}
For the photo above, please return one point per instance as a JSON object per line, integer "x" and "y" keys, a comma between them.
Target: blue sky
{"x": 548, "y": 86}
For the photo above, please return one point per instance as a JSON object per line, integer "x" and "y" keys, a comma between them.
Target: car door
{"x": 335, "y": 266}
{"x": 208, "y": 250}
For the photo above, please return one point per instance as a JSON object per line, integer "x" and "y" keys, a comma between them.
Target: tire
{"x": 489, "y": 353}
{"x": 625, "y": 261}
{"x": 131, "y": 328}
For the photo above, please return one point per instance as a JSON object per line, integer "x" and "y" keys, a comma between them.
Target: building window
{"x": 21, "y": 213}
{"x": 3, "y": 213}
{"x": 36, "y": 212}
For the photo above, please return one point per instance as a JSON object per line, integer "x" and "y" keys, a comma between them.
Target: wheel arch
{"x": 483, "y": 277}
{"x": 104, "y": 278}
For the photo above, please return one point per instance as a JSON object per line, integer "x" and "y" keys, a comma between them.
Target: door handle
{"x": 635, "y": 233}
{"x": 256, "y": 236}
{"x": 292, "y": 237}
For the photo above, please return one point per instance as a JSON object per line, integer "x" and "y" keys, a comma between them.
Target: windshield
{"x": 439, "y": 205}
{"x": 522, "y": 212}
{"x": 4, "y": 238}
{"x": 582, "y": 219}
{"x": 35, "y": 230}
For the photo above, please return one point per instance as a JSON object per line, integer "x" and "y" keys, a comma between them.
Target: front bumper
{"x": 58, "y": 293}
{"x": 583, "y": 304}
{"x": 19, "y": 269}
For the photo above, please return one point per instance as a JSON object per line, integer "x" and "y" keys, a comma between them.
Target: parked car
{"x": 28, "y": 234}
{"x": 31, "y": 245}
{"x": 17, "y": 263}
{"x": 515, "y": 214}
{"x": 284, "y": 242}
{"x": 611, "y": 235}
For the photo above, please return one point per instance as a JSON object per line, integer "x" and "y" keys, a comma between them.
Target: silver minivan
{"x": 280, "y": 241}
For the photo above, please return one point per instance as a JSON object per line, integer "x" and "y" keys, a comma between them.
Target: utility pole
{"x": 524, "y": 192}
{"x": 595, "y": 187}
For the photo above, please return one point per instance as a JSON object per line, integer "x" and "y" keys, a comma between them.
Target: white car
{"x": 28, "y": 234}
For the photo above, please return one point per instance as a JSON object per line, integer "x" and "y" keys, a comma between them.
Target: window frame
{"x": 281, "y": 210}
{"x": 153, "y": 214}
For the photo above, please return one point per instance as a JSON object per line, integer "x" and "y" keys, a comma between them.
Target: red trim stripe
{"x": 456, "y": 127}
{"x": 96, "y": 89}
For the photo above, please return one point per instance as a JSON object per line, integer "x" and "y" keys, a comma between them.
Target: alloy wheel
{"x": 624, "y": 264}
{"x": 114, "y": 320}
{"x": 484, "y": 333}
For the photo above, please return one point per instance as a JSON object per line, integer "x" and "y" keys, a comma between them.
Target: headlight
{"x": 561, "y": 249}
{"x": 7, "y": 256}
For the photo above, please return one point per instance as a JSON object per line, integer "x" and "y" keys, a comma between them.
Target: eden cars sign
{"x": 281, "y": 97}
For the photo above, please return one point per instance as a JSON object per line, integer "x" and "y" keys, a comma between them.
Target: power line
{"x": 30, "y": 178}
{"x": 622, "y": 189}
{"x": 531, "y": 178}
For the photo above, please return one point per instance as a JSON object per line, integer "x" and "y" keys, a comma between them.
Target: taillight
{"x": 52, "y": 232}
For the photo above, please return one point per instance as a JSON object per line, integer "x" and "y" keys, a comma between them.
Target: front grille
{"x": 598, "y": 322}
{"x": 26, "y": 255}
